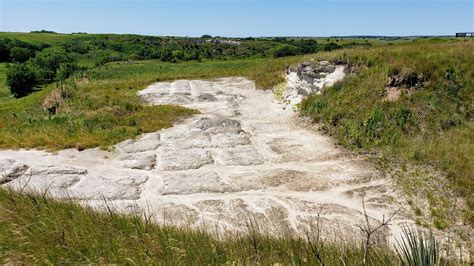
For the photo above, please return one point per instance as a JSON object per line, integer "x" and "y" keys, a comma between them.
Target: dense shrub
{"x": 286, "y": 51}
{"x": 21, "y": 79}
{"x": 374, "y": 124}
{"x": 4, "y": 51}
{"x": 307, "y": 46}
{"x": 16, "y": 51}
{"x": 104, "y": 57}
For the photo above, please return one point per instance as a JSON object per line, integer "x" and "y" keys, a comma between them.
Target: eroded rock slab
{"x": 189, "y": 183}
{"x": 242, "y": 160}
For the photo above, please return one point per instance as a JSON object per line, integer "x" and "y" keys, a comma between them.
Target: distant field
{"x": 50, "y": 38}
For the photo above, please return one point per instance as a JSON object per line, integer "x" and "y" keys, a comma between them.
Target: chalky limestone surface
{"x": 244, "y": 158}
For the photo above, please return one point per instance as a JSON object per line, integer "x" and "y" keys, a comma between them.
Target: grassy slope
{"x": 432, "y": 126}
{"x": 103, "y": 108}
{"x": 35, "y": 230}
{"x": 4, "y": 91}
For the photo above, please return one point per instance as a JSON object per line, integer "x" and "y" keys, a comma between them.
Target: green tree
{"x": 21, "y": 79}
{"x": 50, "y": 60}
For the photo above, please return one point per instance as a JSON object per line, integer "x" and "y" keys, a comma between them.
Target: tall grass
{"x": 431, "y": 126}
{"x": 35, "y": 229}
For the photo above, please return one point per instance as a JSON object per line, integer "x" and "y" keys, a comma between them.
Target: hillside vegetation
{"x": 429, "y": 122}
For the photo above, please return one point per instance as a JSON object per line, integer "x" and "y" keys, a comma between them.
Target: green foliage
{"x": 16, "y": 50}
{"x": 374, "y": 124}
{"x": 317, "y": 106}
{"x": 332, "y": 46}
{"x": 286, "y": 50}
{"x": 50, "y": 60}
{"x": 50, "y": 64}
{"x": 103, "y": 57}
{"x": 20, "y": 54}
{"x": 21, "y": 79}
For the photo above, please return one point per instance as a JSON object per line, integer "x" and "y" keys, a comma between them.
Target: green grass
{"x": 4, "y": 90}
{"x": 433, "y": 126}
{"x": 39, "y": 230}
{"x": 38, "y": 38}
{"x": 102, "y": 107}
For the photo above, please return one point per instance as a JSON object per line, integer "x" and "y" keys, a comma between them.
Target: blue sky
{"x": 240, "y": 17}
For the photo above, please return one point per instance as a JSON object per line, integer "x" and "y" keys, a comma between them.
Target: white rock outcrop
{"x": 307, "y": 79}
{"x": 243, "y": 157}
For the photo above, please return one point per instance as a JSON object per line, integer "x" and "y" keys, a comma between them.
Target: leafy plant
{"x": 374, "y": 124}
{"x": 417, "y": 249}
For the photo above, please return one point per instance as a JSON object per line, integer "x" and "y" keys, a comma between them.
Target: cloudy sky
{"x": 240, "y": 17}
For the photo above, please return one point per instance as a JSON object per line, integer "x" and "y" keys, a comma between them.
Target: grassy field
{"x": 430, "y": 125}
{"x": 100, "y": 106}
{"x": 49, "y": 38}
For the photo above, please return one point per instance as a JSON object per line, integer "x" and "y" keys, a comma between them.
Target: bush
{"x": 307, "y": 46}
{"x": 65, "y": 70}
{"x": 104, "y": 57}
{"x": 332, "y": 46}
{"x": 4, "y": 51}
{"x": 20, "y": 54}
{"x": 375, "y": 124}
{"x": 21, "y": 79}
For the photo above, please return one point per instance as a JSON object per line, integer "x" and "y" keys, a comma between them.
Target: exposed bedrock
{"x": 243, "y": 157}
